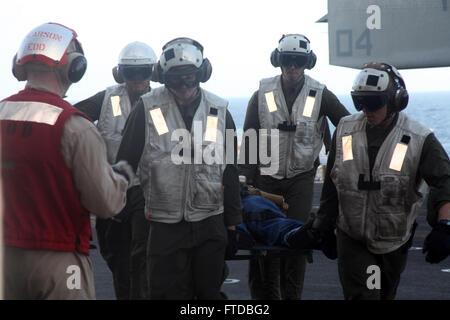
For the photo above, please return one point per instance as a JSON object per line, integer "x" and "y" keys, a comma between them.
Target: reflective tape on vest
{"x": 211, "y": 128}
{"x": 347, "y": 151}
{"x": 29, "y": 111}
{"x": 309, "y": 106}
{"x": 398, "y": 157}
{"x": 159, "y": 121}
{"x": 270, "y": 100}
{"x": 115, "y": 103}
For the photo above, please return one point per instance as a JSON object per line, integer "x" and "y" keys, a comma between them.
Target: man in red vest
{"x": 54, "y": 172}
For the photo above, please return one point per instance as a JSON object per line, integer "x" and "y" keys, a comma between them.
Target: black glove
{"x": 308, "y": 237}
{"x": 437, "y": 244}
{"x": 305, "y": 238}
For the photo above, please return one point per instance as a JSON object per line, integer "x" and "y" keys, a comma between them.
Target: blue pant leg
{"x": 272, "y": 231}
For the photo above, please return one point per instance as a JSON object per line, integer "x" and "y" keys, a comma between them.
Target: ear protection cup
{"x": 400, "y": 96}
{"x": 312, "y": 59}
{"x": 117, "y": 75}
{"x": 75, "y": 68}
{"x": 157, "y": 74}
{"x": 18, "y": 70}
{"x": 275, "y": 58}
{"x": 205, "y": 71}
{"x": 77, "y": 65}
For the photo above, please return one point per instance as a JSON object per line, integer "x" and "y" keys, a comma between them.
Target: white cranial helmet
{"x": 137, "y": 53}
{"x": 51, "y": 45}
{"x": 181, "y": 52}
{"x": 294, "y": 43}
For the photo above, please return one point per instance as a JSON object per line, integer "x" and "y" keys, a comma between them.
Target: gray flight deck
{"x": 420, "y": 280}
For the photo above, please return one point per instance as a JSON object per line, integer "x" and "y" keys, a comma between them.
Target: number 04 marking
{"x": 344, "y": 42}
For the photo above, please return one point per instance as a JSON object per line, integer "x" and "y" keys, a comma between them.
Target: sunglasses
{"x": 138, "y": 73}
{"x": 177, "y": 81}
{"x": 296, "y": 60}
{"x": 371, "y": 102}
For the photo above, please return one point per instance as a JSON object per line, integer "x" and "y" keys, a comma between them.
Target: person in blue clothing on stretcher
{"x": 265, "y": 223}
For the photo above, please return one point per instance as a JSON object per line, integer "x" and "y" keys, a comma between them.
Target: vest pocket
{"x": 390, "y": 208}
{"x": 304, "y": 133}
{"x": 392, "y": 196}
{"x": 166, "y": 187}
{"x": 352, "y": 207}
{"x": 208, "y": 192}
{"x": 391, "y": 227}
{"x": 303, "y": 148}
{"x": 302, "y": 159}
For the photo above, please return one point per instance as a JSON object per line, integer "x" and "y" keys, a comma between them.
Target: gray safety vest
{"x": 174, "y": 192}
{"x": 300, "y": 147}
{"x": 380, "y": 212}
{"x": 115, "y": 110}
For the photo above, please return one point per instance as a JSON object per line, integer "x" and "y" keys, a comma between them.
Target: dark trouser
{"x": 123, "y": 246}
{"x": 114, "y": 241}
{"x": 282, "y": 278}
{"x": 353, "y": 260}
{"x": 186, "y": 259}
{"x": 138, "y": 252}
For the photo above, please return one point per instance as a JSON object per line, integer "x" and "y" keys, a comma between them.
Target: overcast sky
{"x": 238, "y": 37}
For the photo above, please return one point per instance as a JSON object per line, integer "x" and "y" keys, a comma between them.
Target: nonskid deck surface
{"x": 420, "y": 280}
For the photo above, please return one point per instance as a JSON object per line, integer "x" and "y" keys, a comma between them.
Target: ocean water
{"x": 431, "y": 109}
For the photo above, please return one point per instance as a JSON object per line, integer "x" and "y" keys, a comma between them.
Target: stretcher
{"x": 260, "y": 250}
